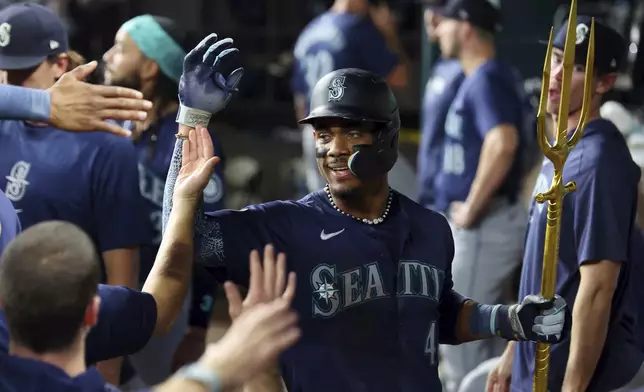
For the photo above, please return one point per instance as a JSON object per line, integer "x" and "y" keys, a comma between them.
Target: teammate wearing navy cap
{"x": 375, "y": 291}
{"x": 352, "y": 33}
{"x": 148, "y": 56}
{"x": 478, "y": 185}
{"x": 440, "y": 91}
{"x": 597, "y": 241}
{"x": 89, "y": 179}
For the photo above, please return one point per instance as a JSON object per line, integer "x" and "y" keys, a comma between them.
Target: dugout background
{"x": 258, "y": 129}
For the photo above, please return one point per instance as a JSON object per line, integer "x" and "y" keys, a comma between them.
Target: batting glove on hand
{"x": 211, "y": 73}
{"x": 538, "y": 319}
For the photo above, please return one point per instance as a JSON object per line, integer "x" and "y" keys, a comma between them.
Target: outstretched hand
{"x": 197, "y": 163}
{"x": 78, "y": 106}
{"x": 267, "y": 283}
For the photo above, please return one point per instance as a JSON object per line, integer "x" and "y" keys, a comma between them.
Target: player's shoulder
{"x": 603, "y": 150}
{"x": 422, "y": 216}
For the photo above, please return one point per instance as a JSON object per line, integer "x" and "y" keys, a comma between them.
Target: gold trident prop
{"x": 557, "y": 154}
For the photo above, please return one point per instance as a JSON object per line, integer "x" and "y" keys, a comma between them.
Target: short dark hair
{"x": 49, "y": 274}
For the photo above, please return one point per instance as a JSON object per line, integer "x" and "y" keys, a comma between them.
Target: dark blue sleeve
{"x": 224, "y": 239}
{"x": 213, "y": 195}
{"x": 298, "y": 81}
{"x": 375, "y": 55}
{"x": 605, "y": 205}
{"x": 493, "y": 103}
{"x": 126, "y": 321}
{"x": 119, "y": 213}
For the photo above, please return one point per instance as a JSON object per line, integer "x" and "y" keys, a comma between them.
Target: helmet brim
{"x": 339, "y": 113}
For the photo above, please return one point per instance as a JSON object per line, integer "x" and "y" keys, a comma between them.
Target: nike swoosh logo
{"x": 324, "y": 236}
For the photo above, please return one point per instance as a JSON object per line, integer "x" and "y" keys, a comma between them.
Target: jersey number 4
{"x": 430, "y": 343}
{"x": 316, "y": 65}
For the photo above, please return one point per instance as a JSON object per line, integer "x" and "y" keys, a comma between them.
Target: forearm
{"x": 122, "y": 267}
{"x": 169, "y": 279}
{"x": 494, "y": 165}
{"x": 590, "y": 318}
{"x": 269, "y": 381}
{"x": 111, "y": 370}
{"x": 24, "y": 103}
{"x": 463, "y": 320}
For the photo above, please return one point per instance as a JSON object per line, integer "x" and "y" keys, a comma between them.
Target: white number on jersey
{"x": 453, "y": 159}
{"x": 430, "y": 343}
{"x": 316, "y": 65}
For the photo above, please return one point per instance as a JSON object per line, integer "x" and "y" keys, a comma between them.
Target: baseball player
{"x": 88, "y": 179}
{"x": 352, "y": 33}
{"x": 148, "y": 55}
{"x": 597, "y": 242}
{"x": 478, "y": 185}
{"x": 375, "y": 291}
{"x": 440, "y": 91}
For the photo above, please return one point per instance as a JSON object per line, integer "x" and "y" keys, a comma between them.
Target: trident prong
{"x": 557, "y": 153}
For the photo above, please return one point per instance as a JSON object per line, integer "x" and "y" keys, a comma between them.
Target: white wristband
{"x": 193, "y": 117}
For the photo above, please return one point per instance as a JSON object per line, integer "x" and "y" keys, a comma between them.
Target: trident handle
{"x": 557, "y": 153}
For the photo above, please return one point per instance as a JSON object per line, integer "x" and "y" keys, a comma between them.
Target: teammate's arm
{"x": 387, "y": 58}
{"x": 495, "y": 110}
{"x": 605, "y": 204}
{"x": 463, "y": 320}
{"x": 74, "y": 105}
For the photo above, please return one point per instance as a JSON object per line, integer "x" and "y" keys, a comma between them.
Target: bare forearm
{"x": 169, "y": 279}
{"x": 590, "y": 318}
{"x": 122, "y": 267}
{"x": 270, "y": 381}
{"x": 494, "y": 165}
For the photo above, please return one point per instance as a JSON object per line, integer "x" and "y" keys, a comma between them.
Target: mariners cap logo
{"x": 5, "y": 34}
{"x": 336, "y": 88}
{"x": 581, "y": 33}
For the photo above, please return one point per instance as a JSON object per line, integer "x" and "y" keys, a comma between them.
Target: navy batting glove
{"x": 211, "y": 73}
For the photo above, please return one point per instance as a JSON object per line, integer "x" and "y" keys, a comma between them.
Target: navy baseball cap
{"x": 480, "y": 13}
{"x": 610, "y": 47}
{"x": 29, "y": 33}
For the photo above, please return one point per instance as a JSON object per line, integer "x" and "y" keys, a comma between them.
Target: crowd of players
{"x": 101, "y": 285}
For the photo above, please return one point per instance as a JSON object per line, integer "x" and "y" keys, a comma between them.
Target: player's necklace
{"x": 363, "y": 220}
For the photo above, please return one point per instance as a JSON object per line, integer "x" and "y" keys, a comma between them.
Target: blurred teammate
{"x": 148, "y": 55}
{"x": 88, "y": 179}
{"x": 352, "y": 33}
{"x": 440, "y": 91}
{"x": 375, "y": 304}
{"x": 52, "y": 359}
{"x": 478, "y": 186}
{"x": 597, "y": 242}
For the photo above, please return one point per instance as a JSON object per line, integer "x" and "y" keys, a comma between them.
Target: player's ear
{"x": 605, "y": 83}
{"x": 149, "y": 69}
{"x": 91, "y": 313}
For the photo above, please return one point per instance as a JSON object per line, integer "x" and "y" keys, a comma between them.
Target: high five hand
{"x": 211, "y": 73}
{"x": 197, "y": 163}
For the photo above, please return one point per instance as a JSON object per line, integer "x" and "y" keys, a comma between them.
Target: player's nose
{"x": 339, "y": 147}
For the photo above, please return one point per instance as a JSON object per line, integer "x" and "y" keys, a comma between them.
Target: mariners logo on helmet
{"x": 336, "y": 88}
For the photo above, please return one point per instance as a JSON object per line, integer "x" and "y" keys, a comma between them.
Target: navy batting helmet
{"x": 357, "y": 95}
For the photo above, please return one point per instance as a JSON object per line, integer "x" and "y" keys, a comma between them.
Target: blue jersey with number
{"x": 491, "y": 96}
{"x": 597, "y": 224}
{"x": 154, "y": 152}
{"x": 89, "y": 179}
{"x": 369, "y": 297}
{"x": 339, "y": 40}
{"x": 440, "y": 91}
